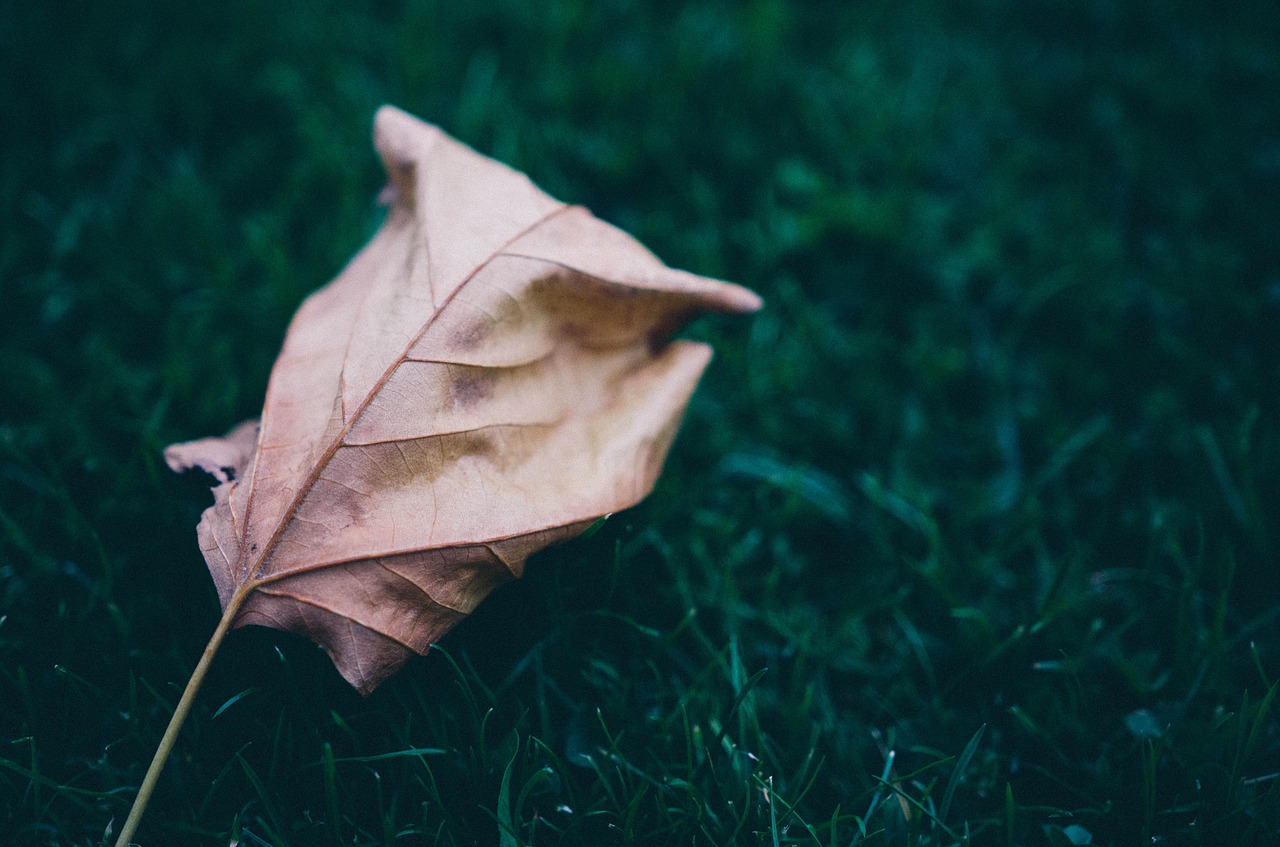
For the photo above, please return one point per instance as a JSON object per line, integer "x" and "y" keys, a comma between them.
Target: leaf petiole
{"x": 179, "y": 718}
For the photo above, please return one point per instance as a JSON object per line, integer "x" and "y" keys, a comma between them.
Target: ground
{"x": 970, "y": 535}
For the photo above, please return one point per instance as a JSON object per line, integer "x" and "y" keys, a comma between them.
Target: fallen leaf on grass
{"x": 492, "y": 373}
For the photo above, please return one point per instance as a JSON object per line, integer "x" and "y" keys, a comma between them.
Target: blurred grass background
{"x": 970, "y": 536}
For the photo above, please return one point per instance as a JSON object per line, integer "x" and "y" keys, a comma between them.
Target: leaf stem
{"x": 179, "y": 718}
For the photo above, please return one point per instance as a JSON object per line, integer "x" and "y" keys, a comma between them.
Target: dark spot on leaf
{"x": 471, "y": 387}
{"x": 473, "y": 334}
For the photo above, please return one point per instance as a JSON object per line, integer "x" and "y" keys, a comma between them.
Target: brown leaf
{"x": 490, "y": 374}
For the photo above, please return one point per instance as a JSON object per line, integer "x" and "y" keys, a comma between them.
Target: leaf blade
{"x": 491, "y": 374}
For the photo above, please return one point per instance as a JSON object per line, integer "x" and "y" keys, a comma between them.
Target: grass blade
{"x": 957, "y": 775}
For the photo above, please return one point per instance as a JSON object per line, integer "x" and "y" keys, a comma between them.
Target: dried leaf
{"x": 489, "y": 375}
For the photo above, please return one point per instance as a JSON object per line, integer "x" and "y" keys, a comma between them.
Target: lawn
{"x": 969, "y": 537}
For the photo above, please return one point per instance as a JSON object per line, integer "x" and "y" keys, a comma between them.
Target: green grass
{"x": 970, "y": 536}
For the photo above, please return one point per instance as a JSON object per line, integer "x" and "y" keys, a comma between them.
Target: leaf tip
{"x": 739, "y": 300}
{"x": 224, "y": 458}
{"x": 398, "y": 138}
